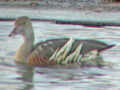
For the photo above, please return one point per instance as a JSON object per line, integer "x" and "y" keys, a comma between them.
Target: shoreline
{"x": 89, "y": 15}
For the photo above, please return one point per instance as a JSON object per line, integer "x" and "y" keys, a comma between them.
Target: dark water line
{"x": 88, "y": 23}
{"x": 85, "y": 23}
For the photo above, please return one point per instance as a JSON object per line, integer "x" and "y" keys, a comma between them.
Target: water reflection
{"x": 27, "y": 74}
{"x": 22, "y": 77}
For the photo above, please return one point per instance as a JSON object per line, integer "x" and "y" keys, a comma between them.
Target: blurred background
{"x": 82, "y": 19}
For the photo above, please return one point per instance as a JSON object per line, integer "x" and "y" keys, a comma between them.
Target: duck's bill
{"x": 13, "y": 33}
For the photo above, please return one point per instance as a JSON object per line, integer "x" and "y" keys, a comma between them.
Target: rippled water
{"x": 14, "y": 77}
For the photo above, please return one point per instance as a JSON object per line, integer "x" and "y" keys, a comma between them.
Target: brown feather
{"x": 37, "y": 61}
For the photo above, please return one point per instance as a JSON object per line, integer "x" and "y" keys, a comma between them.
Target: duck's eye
{"x": 24, "y": 24}
{"x": 15, "y": 29}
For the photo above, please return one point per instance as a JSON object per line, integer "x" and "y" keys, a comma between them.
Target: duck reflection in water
{"x": 27, "y": 75}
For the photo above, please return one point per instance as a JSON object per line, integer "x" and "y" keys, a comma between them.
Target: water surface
{"x": 14, "y": 77}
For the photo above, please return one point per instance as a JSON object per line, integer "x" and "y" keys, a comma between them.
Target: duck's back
{"x": 44, "y": 50}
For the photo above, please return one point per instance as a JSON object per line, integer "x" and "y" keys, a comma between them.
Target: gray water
{"x": 17, "y": 77}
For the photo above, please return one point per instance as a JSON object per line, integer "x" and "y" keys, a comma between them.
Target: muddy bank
{"x": 63, "y": 13}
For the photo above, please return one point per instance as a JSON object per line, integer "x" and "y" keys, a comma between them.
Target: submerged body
{"x": 42, "y": 53}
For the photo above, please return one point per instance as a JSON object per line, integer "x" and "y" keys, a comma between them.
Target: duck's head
{"x": 22, "y": 26}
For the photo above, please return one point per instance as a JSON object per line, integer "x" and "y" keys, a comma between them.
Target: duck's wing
{"x": 44, "y": 50}
{"x": 52, "y": 51}
{"x": 89, "y": 45}
{"x": 64, "y": 50}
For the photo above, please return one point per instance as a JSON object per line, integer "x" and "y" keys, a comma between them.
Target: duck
{"x": 54, "y": 51}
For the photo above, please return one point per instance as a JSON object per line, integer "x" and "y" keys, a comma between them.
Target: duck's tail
{"x": 109, "y": 46}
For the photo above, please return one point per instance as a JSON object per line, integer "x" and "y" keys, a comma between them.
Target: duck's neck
{"x": 24, "y": 51}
